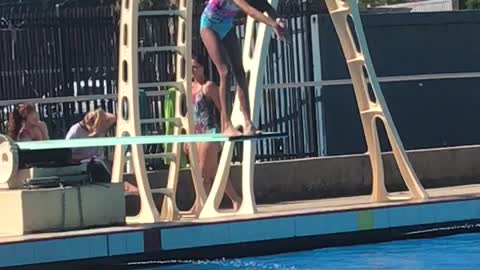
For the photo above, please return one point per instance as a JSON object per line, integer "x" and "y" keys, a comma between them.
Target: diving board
{"x": 137, "y": 140}
{"x": 258, "y": 136}
{"x": 153, "y": 139}
{"x": 9, "y": 148}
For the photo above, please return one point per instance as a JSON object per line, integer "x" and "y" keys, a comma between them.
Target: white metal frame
{"x": 253, "y": 61}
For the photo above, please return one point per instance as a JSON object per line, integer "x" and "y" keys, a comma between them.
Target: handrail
{"x": 386, "y": 79}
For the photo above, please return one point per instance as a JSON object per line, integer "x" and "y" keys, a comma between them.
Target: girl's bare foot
{"x": 250, "y": 129}
{"x": 236, "y": 205}
{"x": 129, "y": 187}
{"x": 230, "y": 131}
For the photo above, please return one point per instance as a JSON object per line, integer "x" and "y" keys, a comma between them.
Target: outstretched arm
{"x": 264, "y": 6}
{"x": 278, "y": 27}
{"x": 255, "y": 13}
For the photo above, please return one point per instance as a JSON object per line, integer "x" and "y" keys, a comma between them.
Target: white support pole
{"x": 128, "y": 120}
{"x": 372, "y": 107}
{"x": 318, "y": 77}
{"x": 184, "y": 77}
{"x": 254, "y": 58}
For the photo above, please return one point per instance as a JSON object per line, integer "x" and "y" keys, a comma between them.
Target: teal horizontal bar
{"x": 153, "y": 139}
{"x": 112, "y": 141}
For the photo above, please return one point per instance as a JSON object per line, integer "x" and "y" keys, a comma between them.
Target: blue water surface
{"x": 453, "y": 252}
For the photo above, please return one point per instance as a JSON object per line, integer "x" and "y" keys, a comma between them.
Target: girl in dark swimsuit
{"x": 206, "y": 120}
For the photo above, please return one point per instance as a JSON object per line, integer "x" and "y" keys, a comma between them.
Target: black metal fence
{"x": 427, "y": 113}
{"x": 71, "y": 51}
{"x": 49, "y": 53}
{"x": 291, "y": 109}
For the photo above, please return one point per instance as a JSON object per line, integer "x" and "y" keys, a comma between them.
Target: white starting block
{"x": 27, "y": 208}
{"x": 27, "y": 211}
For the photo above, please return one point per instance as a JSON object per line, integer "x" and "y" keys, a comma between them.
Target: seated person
{"x": 24, "y": 124}
{"x": 94, "y": 124}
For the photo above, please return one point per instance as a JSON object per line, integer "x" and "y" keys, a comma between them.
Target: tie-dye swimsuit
{"x": 205, "y": 114}
{"x": 218, "y": 16}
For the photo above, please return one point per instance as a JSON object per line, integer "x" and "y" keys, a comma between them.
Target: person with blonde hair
{"x": 95, "y": 124}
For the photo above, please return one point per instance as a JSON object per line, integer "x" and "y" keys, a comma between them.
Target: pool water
{"x": 453, "y": 252}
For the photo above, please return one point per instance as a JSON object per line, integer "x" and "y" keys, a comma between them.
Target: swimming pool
{"x": 453, "y": 252}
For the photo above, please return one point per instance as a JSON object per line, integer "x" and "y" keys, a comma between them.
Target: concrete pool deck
{"x": 279, "y": 227}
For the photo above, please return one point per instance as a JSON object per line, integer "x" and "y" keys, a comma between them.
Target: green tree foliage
{"x": 472, "y": 4}
{"x": 374, "y": 3}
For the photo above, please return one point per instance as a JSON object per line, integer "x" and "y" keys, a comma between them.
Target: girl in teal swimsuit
{"x": 218, "y": 35}
{"x": 206, "y": 120}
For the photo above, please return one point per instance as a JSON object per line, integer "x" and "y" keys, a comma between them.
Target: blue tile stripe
{"x": 202, "y": 235}
{"x": 227, "y": 233}
{"x": 77, "y": 248}
{"x": 318, "y": 224}
{"x": 125, "y": 243}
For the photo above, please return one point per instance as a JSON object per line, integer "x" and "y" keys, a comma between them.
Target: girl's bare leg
{"x": 232, "y": 47}
{"x": 233, "y": 195}
{"x": 209, "y": 164}
{"x": 217, "y": 53}
{"x": 229, "y": 189}
{"x": 204, "y": 164}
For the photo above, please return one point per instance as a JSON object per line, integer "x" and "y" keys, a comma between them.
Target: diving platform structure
{"x": 53, "y": 225}
{"x": 370, "y": 100}
{"x": 106, "y": 206}
{"x": 371, "y": 104}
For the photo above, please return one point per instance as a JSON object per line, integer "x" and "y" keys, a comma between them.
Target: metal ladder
{"x": 129, "y": 122}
